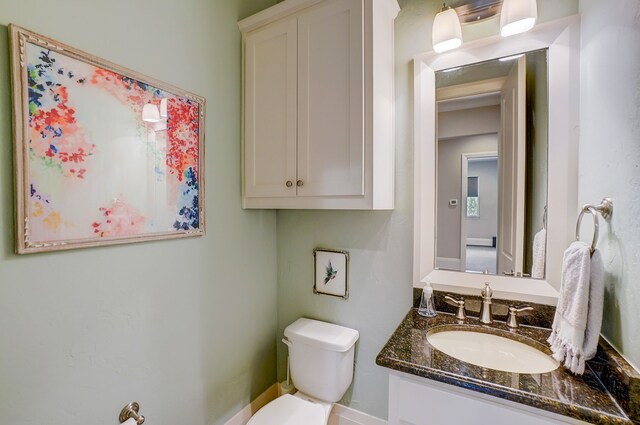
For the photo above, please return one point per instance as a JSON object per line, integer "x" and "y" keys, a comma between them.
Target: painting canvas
{"x": 103, "y": 155}
{"x": 331, "y": 272}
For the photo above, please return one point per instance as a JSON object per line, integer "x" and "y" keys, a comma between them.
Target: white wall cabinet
{"x": 271, "y": 85}
{"x": 419, "y": 401}
{"x": 318, "y": 105}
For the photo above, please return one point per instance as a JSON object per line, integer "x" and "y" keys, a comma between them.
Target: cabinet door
{"x": 330, "y": 100}
{"x": 413, "y": 403}
{"x": 270, "y": 110}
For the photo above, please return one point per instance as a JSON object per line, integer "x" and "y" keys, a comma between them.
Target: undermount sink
{"x": 492, "y": 351}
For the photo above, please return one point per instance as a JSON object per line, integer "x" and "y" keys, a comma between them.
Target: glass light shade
{"x": 517, "y": 16}
{"x": 163, "y": 108}
{"x": 150, "y": 113}
{"x": 447, "y": 33}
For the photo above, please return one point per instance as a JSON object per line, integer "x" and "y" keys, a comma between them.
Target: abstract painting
{"x": 102, "y": 155}
{"x": 331, "y": 272}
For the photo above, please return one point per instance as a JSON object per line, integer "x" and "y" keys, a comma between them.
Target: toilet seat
{"x": 289, "y": 410}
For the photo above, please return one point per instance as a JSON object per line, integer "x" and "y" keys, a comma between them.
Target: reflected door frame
{"x": 511, "y": 215}
{"x": 491, "y": 86}
{"x": 464, "y": 170}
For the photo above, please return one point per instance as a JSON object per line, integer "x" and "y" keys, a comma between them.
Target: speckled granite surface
{"x": 619, "y": 377}
{"x": 583, "y": 398}
{"x": 541, "y": 316}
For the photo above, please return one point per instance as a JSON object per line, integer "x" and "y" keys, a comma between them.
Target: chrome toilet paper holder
{"x": 131, "y": 411}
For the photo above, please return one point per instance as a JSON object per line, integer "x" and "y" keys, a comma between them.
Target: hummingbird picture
{"x": 330, "y": 273}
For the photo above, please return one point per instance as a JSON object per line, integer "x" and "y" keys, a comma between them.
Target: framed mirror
{"x": 491, "y": 161}
{"x": 436, "y": 93}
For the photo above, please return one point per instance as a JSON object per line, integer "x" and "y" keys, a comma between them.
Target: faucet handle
{"x": 457, "y": 302}
{"x": 512, "y": 319}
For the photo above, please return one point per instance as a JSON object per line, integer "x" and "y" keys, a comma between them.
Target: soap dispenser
{"x": 426, "y": 308}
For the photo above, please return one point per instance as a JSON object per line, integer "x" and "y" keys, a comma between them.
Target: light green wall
{"x": 380, "y": 243}
{"x": 188, "y": 327}
{"x": 84, "y": 332}
{"x": 610, "y": 155}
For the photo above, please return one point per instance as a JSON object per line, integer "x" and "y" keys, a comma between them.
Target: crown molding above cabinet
{"x": 318, "y": 105}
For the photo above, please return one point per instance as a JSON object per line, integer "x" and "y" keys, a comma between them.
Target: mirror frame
{"x": 562, "y": 39}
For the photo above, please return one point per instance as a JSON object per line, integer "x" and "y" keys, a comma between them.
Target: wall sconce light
{"x": 156, "y": 117}
{"x": 150, "y": 113}
{"x": 517, "y": 16}
{"x": 447, "y": 32}
{"x": 163, "y": 108}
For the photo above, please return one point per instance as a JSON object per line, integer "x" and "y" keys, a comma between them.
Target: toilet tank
{"x": 321, "y": 358}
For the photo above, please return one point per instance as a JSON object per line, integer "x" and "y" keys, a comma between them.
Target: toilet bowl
{"x": 292, "y": 410}
{"x": 321, "y": 360}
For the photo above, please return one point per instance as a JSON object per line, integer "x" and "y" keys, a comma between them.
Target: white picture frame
{"x": 561, "y": 38}
{"x": 331, "y": 272}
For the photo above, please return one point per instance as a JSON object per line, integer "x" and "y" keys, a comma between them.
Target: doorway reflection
{"x": 481, "y": 224}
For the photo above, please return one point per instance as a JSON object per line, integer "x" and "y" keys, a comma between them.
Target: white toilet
{"x": 321, "y": 362}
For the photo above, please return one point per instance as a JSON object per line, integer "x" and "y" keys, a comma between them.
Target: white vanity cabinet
{"x": 318, "y": 105}
{"x": 419, "y": 401}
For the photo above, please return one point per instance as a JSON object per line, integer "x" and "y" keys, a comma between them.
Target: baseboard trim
{"x": 480, "y": 241}
{"x": 343, "y": 415}
{"x": 243, "y": 416}
{"x": 340, "y": 415}
{"x": 448, "y": 263}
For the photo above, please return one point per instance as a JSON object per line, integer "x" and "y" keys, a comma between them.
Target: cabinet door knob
{"x": 299, "y": 183}
{"x": 289, "y": 183}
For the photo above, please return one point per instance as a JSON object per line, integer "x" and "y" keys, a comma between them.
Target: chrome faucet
{"x": 512, "y": 319}
{"x": 461, "y": 314}
{"x": 486, "y": 315}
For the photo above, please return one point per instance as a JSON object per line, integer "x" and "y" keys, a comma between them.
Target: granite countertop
{"x": 559, "y": 391}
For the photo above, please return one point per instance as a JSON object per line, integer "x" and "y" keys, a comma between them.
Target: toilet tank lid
{"x": 321, "y": 334}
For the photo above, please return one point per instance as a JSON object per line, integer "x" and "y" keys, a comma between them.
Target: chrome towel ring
{"x": 605, "y": 208}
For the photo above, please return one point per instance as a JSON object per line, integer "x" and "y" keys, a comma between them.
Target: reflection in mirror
{"x": 492, "y": 166}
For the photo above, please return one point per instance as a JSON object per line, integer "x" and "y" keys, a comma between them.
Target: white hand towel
{"x": 539, "y": 254}
{"x": 576, "y": 326}
{"x": 596, "y": 307}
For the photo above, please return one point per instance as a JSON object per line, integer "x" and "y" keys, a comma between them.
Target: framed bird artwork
{"x": 331, "y": 272}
